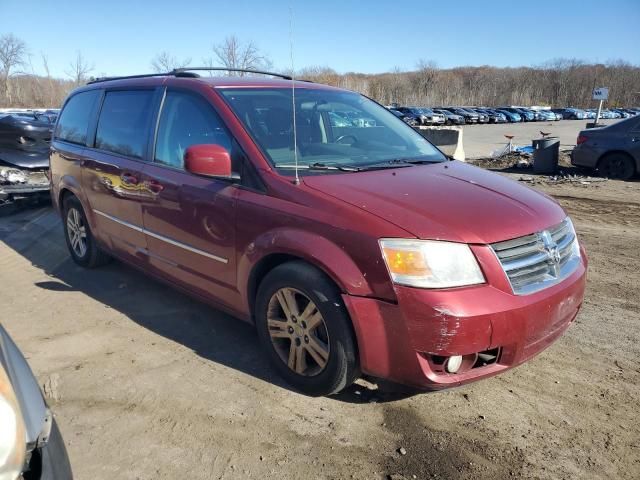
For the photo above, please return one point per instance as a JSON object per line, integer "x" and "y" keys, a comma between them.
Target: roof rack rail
{"x": 178, "y": 71}
{"x": 144, "y": 75}
{"x": 188, "y": 73}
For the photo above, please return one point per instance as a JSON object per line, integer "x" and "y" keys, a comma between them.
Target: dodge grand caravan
{"x": 353, "y": 248}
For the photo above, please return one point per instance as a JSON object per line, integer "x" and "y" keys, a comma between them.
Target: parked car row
{"x": 473, "y": 115}
{"x": 590, "y": 113}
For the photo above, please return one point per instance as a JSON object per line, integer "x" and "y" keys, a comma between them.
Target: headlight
{"x": 575, "y": 246}
{"x": 430, "y": 264}
{"x": 12, "y": 432}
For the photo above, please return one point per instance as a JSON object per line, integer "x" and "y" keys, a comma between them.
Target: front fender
{"x": 315, "y": 249}
{"x": 71, "y": 184}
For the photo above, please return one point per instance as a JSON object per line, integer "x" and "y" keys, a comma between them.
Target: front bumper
{"x": 51, "y": 462}
{"x": 35, "y": 182}
{"x": 403, "y": 342}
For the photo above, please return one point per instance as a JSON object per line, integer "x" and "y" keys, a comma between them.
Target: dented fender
{"x": 315, "y": 249}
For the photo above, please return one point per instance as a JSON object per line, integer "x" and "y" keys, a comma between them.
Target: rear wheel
{"x": 619, "y": 166}
{"x": 80, "y": 241}
{"x": 305, "y": 329}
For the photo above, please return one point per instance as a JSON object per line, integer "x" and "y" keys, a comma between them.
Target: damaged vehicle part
{"x": 24, "y": 163}
{"x": 31, "y": 447}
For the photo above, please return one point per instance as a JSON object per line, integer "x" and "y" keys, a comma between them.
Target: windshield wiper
{"x": 413, "y": 161}
{"x": 397, "y": 163}
{"x": 320, "y": 166}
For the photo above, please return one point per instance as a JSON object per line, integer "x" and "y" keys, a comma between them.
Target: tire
{"x": 74, "y": 220}
{"x": 328, "y": 360}
{"x": 618, "y": 166}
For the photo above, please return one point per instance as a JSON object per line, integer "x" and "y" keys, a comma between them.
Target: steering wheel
{"x": 342, "y": 137}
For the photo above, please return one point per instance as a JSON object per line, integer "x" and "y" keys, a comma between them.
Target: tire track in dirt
{"x": 600, "y": 212}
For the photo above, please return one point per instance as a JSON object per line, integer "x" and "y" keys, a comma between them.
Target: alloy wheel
{"x": 298, "y": 332}
{"x": 77, "y": 232}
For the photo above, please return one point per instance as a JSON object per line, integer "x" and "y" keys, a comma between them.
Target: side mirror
{"x": 208, "y": 159}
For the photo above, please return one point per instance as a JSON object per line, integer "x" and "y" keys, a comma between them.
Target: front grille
{"x": 540, "y": 260}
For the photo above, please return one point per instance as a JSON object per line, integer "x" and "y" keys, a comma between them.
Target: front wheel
{"x": 305, "y": 329}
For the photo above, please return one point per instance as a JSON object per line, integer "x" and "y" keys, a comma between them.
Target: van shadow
{"x": 37, "y": 235}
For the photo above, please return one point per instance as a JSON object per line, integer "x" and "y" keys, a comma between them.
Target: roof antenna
{"x": 296, "y": 181}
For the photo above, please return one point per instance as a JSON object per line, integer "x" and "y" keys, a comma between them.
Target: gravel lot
{"x": 481, "y": 140}
{"x": 147, "y": 383}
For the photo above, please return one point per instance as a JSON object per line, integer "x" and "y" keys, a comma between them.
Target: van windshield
{"x": 333, "y": 129}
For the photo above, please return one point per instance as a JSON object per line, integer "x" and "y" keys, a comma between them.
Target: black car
{"x": 469, "y": 116}
{"x": 494, "y": 117}
{"x": 425, "y": 115}
{"x": 570, "y": 113}
{"x": 32, "y": 447}
{"x": 408, "y": 118}
{"x": 24, "y": 156}
{"x": 613, "y": 151}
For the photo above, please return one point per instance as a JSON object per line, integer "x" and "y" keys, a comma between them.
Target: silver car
{"x": 31, "y": 446}
{"x": 614, "y": 150}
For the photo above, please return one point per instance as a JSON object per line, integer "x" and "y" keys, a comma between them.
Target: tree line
{"x": 560, "y": 82}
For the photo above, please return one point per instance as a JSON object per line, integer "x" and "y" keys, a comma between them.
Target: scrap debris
{"x": 562, "y": 177}
{"x": 522, "y": 159}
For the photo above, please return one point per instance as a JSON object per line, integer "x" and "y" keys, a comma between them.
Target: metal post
{"x": 598, "y": 113}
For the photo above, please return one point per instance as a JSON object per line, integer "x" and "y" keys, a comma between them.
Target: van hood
{"x": 450, "y": 201}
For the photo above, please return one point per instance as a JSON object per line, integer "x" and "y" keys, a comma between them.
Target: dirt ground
{"x": 147, "y": 383}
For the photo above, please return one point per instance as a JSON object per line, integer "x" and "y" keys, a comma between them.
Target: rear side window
{"x": 74, "y": 119}
{"x": 186, "y": 120}
{"x": 124, "y": 122}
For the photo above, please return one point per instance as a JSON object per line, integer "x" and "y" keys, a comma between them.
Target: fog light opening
{"x": 453, "y": 364}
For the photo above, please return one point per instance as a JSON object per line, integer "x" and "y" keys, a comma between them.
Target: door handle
{"x": 154, "y": 186}
{"x": 129, "y": 179}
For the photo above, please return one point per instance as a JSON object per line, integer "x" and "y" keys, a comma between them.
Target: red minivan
{"x": 353, "y": 244}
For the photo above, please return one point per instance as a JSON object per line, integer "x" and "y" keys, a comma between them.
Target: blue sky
{"x": 121, "y": 37}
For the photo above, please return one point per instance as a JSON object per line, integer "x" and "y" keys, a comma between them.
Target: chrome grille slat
{"x": 566, "y": 241}
{"x": 528, "y": 271}
{"x": 516, "y": 251}
{"x": 523, "y": 262}
{"x": 506, "y": 245}
{"x": 539, "y": 260}
{"x": 534, "y": 278}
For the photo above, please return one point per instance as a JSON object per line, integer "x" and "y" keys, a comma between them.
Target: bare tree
{"x": 165, "y": 62}
{"x": 50, "y": 84}
{"x": 12, "y": 55}
{"x": 79, "y": 69}
{"x": 234, "y": 54}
